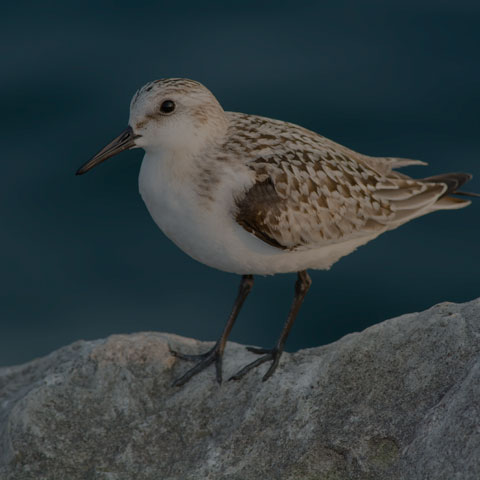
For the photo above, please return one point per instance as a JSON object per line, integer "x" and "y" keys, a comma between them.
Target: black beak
{"x": 123, "y": 142}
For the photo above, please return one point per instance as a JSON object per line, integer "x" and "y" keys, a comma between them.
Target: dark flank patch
{"x": 252, "y": 210}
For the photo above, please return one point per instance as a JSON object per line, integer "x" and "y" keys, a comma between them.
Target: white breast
{"x": 207, "y": 231}
{"x": 203, "y": 229}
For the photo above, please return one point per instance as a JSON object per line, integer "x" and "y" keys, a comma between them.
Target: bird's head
{"x": 175, "y": 115}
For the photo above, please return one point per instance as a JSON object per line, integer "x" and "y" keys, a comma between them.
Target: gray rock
{"x": 397, "y": 401}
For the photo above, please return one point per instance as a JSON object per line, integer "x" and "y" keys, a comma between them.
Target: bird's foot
{"x": 214, "y": 355}
{"x": 272, "y": 355}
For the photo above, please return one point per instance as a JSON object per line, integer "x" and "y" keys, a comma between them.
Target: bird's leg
{"x": 301, "y": 288}
{"x": 216, "y": 353}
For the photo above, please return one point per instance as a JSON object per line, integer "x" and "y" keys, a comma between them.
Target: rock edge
{"x": 398, "y": 400}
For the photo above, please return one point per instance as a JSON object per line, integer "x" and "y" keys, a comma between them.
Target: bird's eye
{"x": 167, "y": 106}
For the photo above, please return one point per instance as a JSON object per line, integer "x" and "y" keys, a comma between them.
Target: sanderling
{"x": 252, "y": 195}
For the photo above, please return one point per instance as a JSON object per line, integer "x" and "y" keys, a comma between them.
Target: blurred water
{"x": 80, "y": 257}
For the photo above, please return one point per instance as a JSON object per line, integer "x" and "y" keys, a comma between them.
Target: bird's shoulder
{"x": 251, "y": 137}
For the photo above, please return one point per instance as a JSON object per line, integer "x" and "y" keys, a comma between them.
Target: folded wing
{"x": 302, "y": 200}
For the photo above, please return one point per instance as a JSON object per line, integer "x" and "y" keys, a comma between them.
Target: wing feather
{"x": 311, "y": 192}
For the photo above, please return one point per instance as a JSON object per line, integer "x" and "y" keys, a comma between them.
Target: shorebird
{"x": 257, "y": 196}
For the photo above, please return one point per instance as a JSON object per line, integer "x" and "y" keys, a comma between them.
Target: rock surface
{"x": 399, "y": 400}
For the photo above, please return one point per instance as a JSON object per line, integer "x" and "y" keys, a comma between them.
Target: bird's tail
{"x": 453, "y": 181}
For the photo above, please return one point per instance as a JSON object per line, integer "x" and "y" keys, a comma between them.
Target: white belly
{"x": 208, "y": 232}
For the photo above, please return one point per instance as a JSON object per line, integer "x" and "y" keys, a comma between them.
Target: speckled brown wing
{"x": 311, "y": 191}
{"x": 298, "y": 203}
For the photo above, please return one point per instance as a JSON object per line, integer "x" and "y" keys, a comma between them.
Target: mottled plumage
{"x": 311, "y": 192}
{"x": 252, "y": 195}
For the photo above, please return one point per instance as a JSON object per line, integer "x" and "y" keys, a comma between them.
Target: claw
{"x": 259, "y": 351}
{"x": 204, "y": 360}
{"x": 187, "y": 357}
{"x": 273, "y": 354}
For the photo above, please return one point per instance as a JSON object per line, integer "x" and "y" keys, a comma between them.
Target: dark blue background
{"x": 80, "y": 256}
